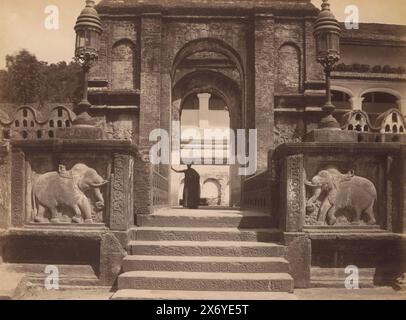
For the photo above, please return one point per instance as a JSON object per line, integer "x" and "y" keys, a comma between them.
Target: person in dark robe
{"x": 191, "y": 189}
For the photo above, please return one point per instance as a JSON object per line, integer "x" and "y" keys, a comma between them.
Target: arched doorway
{"x": 211, "y": 192}
{"x": 207, "y": 95}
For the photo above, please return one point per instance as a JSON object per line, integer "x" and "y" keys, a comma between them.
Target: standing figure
{"x": 191, "y": 190}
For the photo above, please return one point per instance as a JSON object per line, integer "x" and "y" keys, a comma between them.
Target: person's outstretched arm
{"x": 178, "y": 171}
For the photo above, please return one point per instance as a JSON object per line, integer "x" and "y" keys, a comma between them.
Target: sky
{"x": 22, "y": 24}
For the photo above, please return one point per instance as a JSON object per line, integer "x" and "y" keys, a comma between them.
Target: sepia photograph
{"x": 202, "y": 150}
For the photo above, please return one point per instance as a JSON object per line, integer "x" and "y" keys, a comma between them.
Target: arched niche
{"x": 123, "y": 65}
{"x": 288, "y": 69}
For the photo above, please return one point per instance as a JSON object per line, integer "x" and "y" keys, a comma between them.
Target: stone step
{"x": 206, "y": 248}
{"x": 204, "y": 234}
{"x": 205, "y": 264}
{"x": 205, "y": 219}
{"x": 202, "y": 281}
{"x": 134, "y": 294}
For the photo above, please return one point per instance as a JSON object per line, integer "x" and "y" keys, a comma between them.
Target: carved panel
{"x": 285, "y": 133}
{"x": 121, "y": 192}
{"x": 5, "y": 190}
{"x": 120, "y": 130}
{"x": 17, "y": 188}
{"x": 335, "y": 198}
{"x": 295, "y": 197}
{"x": 67, "y": 196}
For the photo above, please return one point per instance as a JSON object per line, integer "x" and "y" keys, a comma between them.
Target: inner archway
{"x": 205, "y": 141}
{"x": 211, "y": 192}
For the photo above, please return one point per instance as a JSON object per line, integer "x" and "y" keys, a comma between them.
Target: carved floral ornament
{"x": 285, "y": 133}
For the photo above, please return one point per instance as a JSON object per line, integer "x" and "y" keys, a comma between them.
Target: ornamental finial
{"x": 325, "y": 5}
{"x": 90, "y": 3}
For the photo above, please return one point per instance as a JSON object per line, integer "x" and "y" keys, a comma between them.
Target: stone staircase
{"x": 205, "y": 254}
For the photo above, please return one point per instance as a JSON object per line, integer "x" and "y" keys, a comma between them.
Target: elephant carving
{"x": 334, "y": 192}
{"x": 67, "y": 188}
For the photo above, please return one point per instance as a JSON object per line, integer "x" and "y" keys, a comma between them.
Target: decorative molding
{"x": 295, "y": 194}
{"x": 38, "y": 117}
{"x": 121, "y": 192}
{"x": 365, "y": 68}
{"x": 117, "y": 218}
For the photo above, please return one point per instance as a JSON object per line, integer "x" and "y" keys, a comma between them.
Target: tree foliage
{"x": 27, "y": 80}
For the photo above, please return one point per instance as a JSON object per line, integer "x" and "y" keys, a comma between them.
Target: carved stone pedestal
{"x": 339, "y": 206}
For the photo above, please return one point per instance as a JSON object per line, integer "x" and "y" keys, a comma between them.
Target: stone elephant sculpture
{"x": 67, "y": 188}
{"x": 336, "y": 191}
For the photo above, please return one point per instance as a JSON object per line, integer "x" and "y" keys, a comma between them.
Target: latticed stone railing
{"x": 160, "y": 190}
{"x": 257, "y": 192}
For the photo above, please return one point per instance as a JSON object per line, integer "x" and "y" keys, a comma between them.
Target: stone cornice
{"x": 301, "y": 8}
{"x": 76, "y": 145}
{"x": 372, "y": 42}
{"x": 369, "y": 76}
{"x": 375, "y": 34}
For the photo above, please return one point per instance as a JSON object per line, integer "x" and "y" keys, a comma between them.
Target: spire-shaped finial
{"x": 325, "y": 5}
{"x": 90, "y": 3}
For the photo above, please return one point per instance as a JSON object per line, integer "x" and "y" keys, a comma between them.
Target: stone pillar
{"x": 175, "y": 152}
{"x": 150, "y": 100}
{"x": 299, "y": 255}
{"x": 204, "y": 99}
{"x": 402, "y": 106}
{"x": 264, "y": 86}
{"x": 143, "y": 185}
{"x": 165, "y": 114}
{"x": 356, "y": 103}
{"x": 150, "y": 77}
{"x": 111, "y": 259}
{"x": 314, "y": 71}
